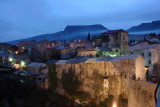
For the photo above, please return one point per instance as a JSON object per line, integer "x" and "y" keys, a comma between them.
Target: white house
{"x": 151, "y": 55}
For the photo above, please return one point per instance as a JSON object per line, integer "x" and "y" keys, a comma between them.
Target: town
{"x": 105, "y": 70}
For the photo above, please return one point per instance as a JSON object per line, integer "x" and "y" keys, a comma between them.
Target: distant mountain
{"x": 70, "y": 33}
{"x": 84, "y": 28}
{"x": 154, "y": 26}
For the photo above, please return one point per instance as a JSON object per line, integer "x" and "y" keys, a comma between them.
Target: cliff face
{"x": 154, "y": 25}
{"x": 100, "y": 79}
{"x": 84, "y": 28}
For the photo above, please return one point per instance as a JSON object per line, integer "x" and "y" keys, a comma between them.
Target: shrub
{"x": 52, "y": 75}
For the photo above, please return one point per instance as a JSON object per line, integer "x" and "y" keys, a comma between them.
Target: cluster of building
{"x": 108, "y": 55}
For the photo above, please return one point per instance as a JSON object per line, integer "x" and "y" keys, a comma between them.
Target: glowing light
{"x": 22, "y": 63}
{"x": 10, "y": 59}
{"x": 145, "y": 69}
{"x": 22, "y": 47}
{"x": 16, "y": 52}
{"x": 114, "y": 105}
{"x": 112, "y": 55}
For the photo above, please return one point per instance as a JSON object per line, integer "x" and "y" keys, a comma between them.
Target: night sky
{"x": 25, "y": 18}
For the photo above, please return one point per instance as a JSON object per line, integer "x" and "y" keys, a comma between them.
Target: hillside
{"x": 153, "y": 26}
{"x": 69, "y": 33}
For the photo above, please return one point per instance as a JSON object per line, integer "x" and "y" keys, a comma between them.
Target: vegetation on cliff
{"x": 52, "y": 76}
{"x": 70, "y": 82}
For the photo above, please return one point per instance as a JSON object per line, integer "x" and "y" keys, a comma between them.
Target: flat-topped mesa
{"x": 84, "y": 28}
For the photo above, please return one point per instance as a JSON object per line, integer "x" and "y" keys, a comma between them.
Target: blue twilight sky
{"x": 25, "y": 18}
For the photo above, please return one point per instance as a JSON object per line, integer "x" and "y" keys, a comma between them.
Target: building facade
{"x": 4, "y": 47}
{"x": 112, "y": 39}
{"x": 151, "y": 55}
{"x": 26, "y": 44}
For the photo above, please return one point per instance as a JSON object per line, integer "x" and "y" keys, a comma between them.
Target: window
{"x": 131, "y": 52}
{"x": 125, "y": 76}
{"x": 123, "y": 38}
{"x": 142, "y": 54}
{"x": 149, "y": 53}
{"x": 116, "y": 50}
{"x": 149, "y": 61}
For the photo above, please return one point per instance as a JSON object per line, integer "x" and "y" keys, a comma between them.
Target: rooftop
{"x": 144, "y": 46}
{"x": 77, "y": 60}
{"x": 119, "y": 58}
{"x": 61, "y": 62}
{"x": 114, "y": 59}
{"x": 52, "y": 61}
{"x": 36, "y": 64}
{"x": 115, "y": 31}
{"x": 98, "y": 59}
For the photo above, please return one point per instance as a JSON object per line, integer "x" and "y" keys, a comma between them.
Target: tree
{"x": 89, "y": 37}
{"x": 145, "y": 38}
{"x": 35, "y": 55}
{"x": 25, "y": 51}
{"x": 131, "y": 41}
{"x": 147, "y": 75}
{"x": 56, "y": 56}
{"x": 52, "y": 74}
{"x": 134, "y": 40}
{"x": 153, "y": 34}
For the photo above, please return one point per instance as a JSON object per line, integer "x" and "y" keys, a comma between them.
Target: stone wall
{"x": 127, "y": 70}
{"x": 101, "y": 78}
{"x": 87, "y": 52}
{"x": 141, "y": 94}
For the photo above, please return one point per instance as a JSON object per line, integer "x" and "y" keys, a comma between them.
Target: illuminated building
{"x": 115, "y": 40}
{"x": 113, "y": 74}
{"x": 150, "y": 52}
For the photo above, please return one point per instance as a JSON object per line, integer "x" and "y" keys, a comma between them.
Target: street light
{"x": 22, "y": 63}
{"x": 114, "y": 103}
{"x": 10, "y": 59}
